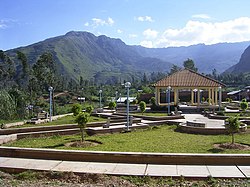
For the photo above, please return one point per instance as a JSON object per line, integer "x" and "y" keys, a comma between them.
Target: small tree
{"x": 76, "y": 109}
{"x": 142, "y": 106}
{"x": 89, "y": 109}
{"x": 233, "y": 126}
{"x": 82, "y": 119}
{"x": 244, "y": 105}
{"x": 112, "y": 105}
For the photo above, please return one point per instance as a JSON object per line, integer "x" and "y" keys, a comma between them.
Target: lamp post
{"x": 169, "y": 89}
{"x": 50, "y": 103}
{"x": 100, "y": 94}
{"x": 116, "y": 94}
{"x": 219, "y": 98}
{"x": 127, "y": 85}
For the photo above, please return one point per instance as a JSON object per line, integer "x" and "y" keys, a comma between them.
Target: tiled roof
{"x": 188, "y": 78}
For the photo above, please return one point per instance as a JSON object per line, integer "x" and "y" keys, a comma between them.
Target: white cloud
{"x": 202, "y": 16}
{"x": 110, "y": 21}
{"x": 146, "y": 43}
{"x": 144, "y": 18}
{"x": 149, "y": 33}
{"x": 132, "y": 36}
{"x": 119, "y": 31}
{"x": 195, "y": 32}
{"x": 96, "y": 22}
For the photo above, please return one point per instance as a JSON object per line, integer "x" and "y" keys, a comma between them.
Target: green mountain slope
{"x": 103, "y": 58}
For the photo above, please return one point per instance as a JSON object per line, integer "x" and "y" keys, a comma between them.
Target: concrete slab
{"x": 71, "y": 166}
{"x": 96, "y": 167}
{"x": 192, "y": 170}
{"x": 130, "y": 169}
{"x": 35, "y": 164}
{"x": 3, "y": 159}
{"x": 225, "y": 171}
{"x": 245, "y": 170}
{"x": 161, "y": 170}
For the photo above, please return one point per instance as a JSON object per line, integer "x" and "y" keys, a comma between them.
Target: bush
{"x": 244, "y": 104}
{"x": 142, "y": 106}
{"x": 112, "y": 105}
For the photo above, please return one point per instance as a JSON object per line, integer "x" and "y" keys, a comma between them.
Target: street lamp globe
{"x": 127, "y": 85}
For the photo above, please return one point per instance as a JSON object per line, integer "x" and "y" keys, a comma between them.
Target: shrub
{"x": 153, "y": 100}
{"x": 76, "y": 109}
{"x": 244, "y": 104}
{"x": 112, "y": 105}
{"x": 142, "y": 106}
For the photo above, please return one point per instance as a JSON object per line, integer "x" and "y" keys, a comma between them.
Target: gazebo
{"x": 192, "y": 81}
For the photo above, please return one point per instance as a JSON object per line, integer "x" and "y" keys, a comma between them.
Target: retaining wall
{"x": 127, "y": 157}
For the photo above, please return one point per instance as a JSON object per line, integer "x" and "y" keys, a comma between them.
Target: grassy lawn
{"x": 160, "y": 139}
{"x": 62, "y": 121}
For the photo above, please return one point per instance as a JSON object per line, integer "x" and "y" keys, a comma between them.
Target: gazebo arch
{"x": 187, "y": 79}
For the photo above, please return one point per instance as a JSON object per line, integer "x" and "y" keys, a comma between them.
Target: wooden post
{"x": 192, "y": 96}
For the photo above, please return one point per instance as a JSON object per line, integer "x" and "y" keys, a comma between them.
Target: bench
{"x": 42, "y": 115}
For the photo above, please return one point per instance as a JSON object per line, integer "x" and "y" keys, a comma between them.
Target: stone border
{"x": 196, "y": 128}
{"x": 127, "y": 157}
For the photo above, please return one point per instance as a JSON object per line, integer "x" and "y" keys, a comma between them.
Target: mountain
{"x": 244, "y": 64}
{"x": 109, "y": 60}
{"x": 219, "y": 56}
{"x": 84, "y": 54}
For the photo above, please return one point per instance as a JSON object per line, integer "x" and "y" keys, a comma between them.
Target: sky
{"x": 150, "y": 23}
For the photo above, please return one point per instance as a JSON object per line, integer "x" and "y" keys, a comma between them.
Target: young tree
{"x": 233, "y": 126}
{"x": 82, "y": 119}
{"x": 142, "y": 106}
{"x": 76, "y": 109}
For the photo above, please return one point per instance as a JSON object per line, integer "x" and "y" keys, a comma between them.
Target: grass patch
{"x": 163, "y": 139}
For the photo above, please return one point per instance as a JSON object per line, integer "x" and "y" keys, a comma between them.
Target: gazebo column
{"x": 199, "y": 97}
{"x": 209, "y": 96}
{"x": 158, "y": 96}
{"x": 216, "y": 96}
{"x": 192, "y": 96}
{"x": 176, "y": 96}
{"x": 212, "y": 96}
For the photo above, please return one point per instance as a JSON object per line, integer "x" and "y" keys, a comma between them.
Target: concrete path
{"x": 196, "y": 171}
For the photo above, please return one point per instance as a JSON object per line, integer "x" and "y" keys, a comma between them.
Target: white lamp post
{"x": 127, "y": 85}
{"x": 169, "y": 90}
{"x": 219, "y": 98}
{"x": 116, "y": 95}
{"x": 50, "y": 103}
{"x": 100, "y": 94}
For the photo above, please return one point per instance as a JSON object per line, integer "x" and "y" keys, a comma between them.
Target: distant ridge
{"x": 110, "y": 60}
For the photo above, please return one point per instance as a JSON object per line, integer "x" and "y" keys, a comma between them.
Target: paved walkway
{"x": 196, "y": 171}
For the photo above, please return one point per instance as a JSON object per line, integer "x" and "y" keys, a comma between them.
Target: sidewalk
{"x": 195, "y": 171}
